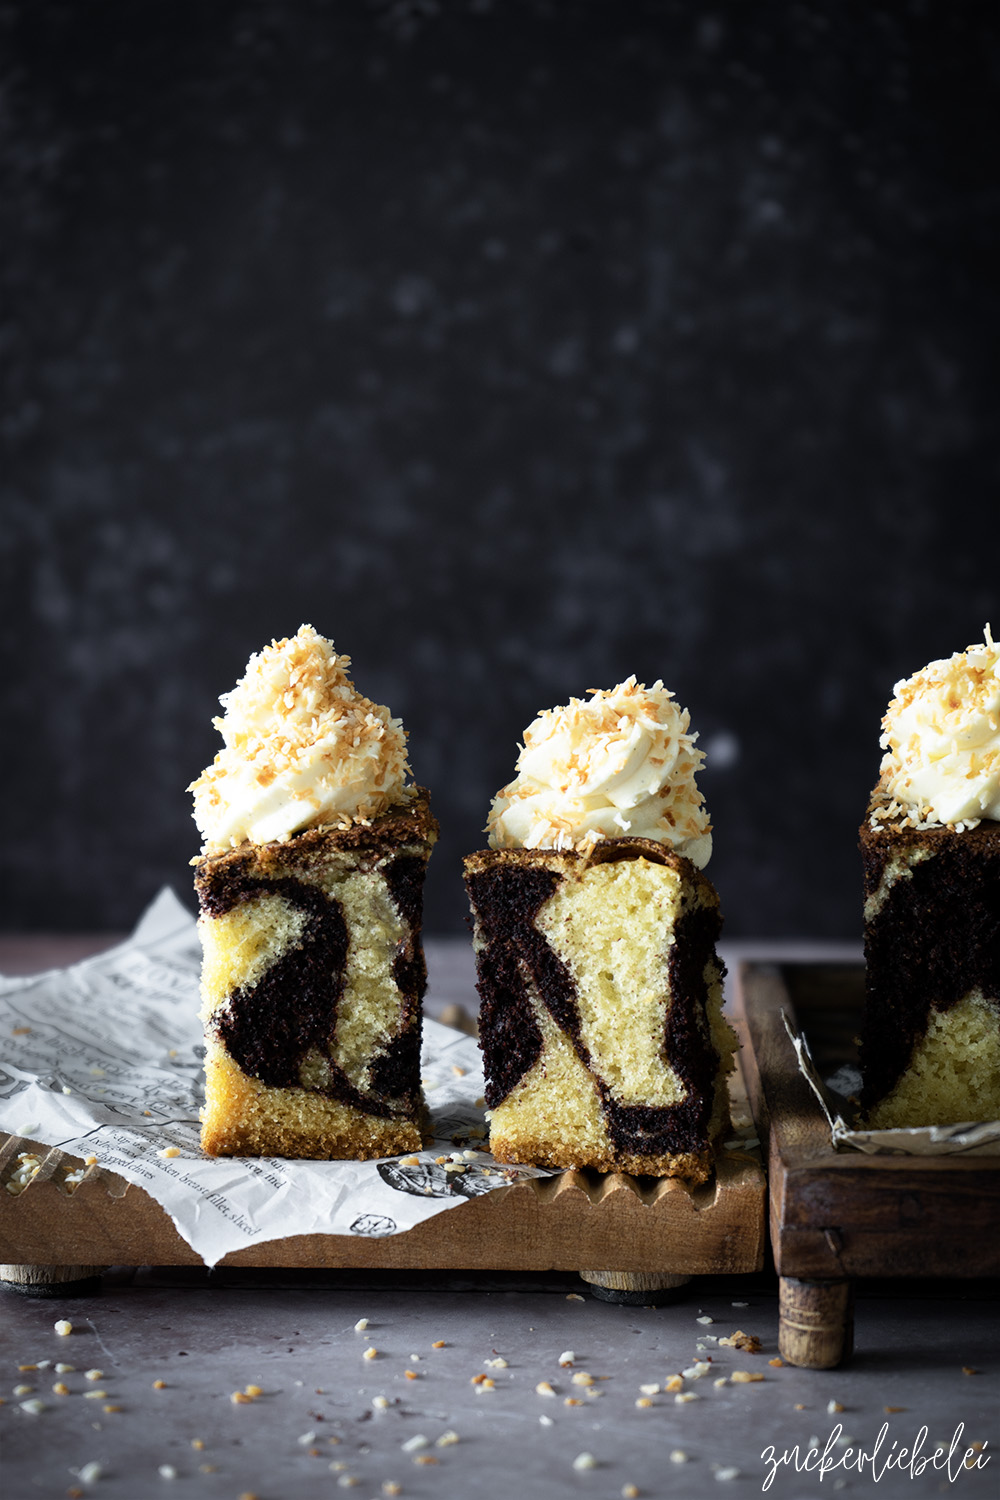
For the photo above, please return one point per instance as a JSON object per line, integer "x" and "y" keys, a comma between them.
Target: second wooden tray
{"x": 839, "y": 1214}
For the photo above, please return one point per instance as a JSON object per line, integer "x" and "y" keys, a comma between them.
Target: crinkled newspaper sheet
{"x": 972, "y": 1139}
{"x": 104, "y": 1059}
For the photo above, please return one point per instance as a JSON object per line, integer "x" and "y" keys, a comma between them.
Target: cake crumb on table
{"x": 748, "y": 1342}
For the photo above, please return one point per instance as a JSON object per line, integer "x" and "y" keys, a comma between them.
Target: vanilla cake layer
{"x": 312, "y": 981}
{"x": 601, "y": 1021}
{"x": 930, "y": 1051}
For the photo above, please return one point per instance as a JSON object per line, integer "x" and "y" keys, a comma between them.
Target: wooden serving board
{"x": 840, "y": 1214}
{"x": 574, "y": 1221}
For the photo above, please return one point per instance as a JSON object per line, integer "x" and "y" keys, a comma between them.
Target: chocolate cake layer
{"x": 276, "y": 1027}
{"x": 932, "y": 937}
{"x": 516, "y": 962}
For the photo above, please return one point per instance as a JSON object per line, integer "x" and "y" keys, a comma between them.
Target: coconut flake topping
{"x": 942, "y": 738}
{"x": 303, "y": 749}
{"x": 620, "y": 763}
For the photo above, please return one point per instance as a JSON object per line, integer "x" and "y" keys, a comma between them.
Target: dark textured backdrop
{"x": 516, "y": 346}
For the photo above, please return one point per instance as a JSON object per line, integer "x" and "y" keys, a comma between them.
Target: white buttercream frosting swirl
{"x": 303, "y": 749}
{"x": 941, "y": 735}
{"x": 617, "y": 763}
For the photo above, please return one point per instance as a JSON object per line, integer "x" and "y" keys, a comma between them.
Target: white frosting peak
{"x": 942, "y": 738}
{"x": 302, "y": 748}
{"x": 620, "y": 762}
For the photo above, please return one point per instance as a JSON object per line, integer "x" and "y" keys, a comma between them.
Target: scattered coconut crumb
{"x": 834, "y": 1406}
{"x": 361, "y": 1325}
{"x": 307, "y": 1439}
{"x": 60, "y": 1389}
{"x": 678, "y": 1456}
{"x": 88, "y": 1374}
{"x": 777, "y": 1363}
{"x": 380, "y": 1403}
{"x": 705, "y": 1320}
{"x": 447, "y": 1440}
{"x": 748, "y": 1342}
{"x": 720, "y": 1382}
{"x": 574, "y": 1297}
{"x": 34, "y": 1407}
{"x": 643, "y": 1401}
{"x": 95, "y": 1395}
{"x": 744, "y": 1377}
{"x": 411, "y": 1374}
{"x": 585, "y": 1461}
{"x": 413, "y": 1444}
{"x": 630, "y": 1491}
{"x": 544, "y": 1388}
{"x": 240, "y": 1398}
{"x": 546, "y": 1421}
{"x": 496, "y": 1364}
{"x": 370, "y": 1353}
{"x": 159, "y": 1385}
{"x": 90, "y": 1473}
{"x": 197, "y": 1443}
{"x": 686, "y": 1396}
{"x": 968, "y": 1370}
{"x": 582, "y": 1378}
{"x": 674, "y": 1383}
{"x": 439, "y": 1344}
{"x": 390, "y": 1487}
{"x": 697, "y": 1371}
{"x": 169, "y": 1151}
{"x": 23, "y": 1390}
{"x": 891, "y": 1409}
{"x": 566, "y": 1358}
{"x": 167, "y": 1471}
{"x": 63, "y": 1327}
{"x": 650, "y": 1390}
{"x": 726, "y": 1474}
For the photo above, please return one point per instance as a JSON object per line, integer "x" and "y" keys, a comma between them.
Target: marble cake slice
{"x": 312, "y": 982}
{"x": 930, "y": 1051}
{"x": 601, "y": 1019}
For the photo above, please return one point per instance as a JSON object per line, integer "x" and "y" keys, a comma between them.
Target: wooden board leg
{"x": 815, "y": 1322}
{"x": 52, "y": 1281}
{"x": 636, "y": 1288}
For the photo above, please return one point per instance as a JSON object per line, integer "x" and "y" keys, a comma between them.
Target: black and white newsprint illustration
{"x": 104, "y": 1059}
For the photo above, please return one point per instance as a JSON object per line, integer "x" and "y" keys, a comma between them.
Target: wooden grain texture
{"x": 815, "y": 1322}
{"x": 842, "y": 1213}
{"x": 576, "y": 1219}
